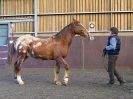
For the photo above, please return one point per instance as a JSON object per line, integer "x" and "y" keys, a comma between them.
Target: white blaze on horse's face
{"x": 37, "y": 44}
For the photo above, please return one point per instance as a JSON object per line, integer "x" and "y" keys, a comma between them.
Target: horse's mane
{"x": 62, "y": 32}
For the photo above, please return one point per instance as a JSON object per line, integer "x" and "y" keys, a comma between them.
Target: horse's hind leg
{"x": 57, "y": 74}
{"x": 17, "y": 69}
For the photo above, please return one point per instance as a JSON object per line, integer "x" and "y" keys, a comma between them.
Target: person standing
{"x": 112, "y": 50}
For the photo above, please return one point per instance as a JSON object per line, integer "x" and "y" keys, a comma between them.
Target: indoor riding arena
{"x": 88, "y": 68}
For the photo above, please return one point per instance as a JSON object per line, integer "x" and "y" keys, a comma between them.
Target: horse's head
{"x": 79, "y": 29}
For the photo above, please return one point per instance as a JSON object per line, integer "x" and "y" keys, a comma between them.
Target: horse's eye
{"x": 82, "y": 30}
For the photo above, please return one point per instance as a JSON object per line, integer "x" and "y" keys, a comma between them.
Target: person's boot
{"x": 119, "y": 78}
{"x": 110, "y": 83}
{"x": 122, "y": 83}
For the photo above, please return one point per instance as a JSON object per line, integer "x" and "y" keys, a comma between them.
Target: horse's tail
{"x": 11, "y": 54}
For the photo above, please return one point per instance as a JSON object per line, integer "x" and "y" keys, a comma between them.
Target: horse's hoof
{"x": 15, "y": 78}
{"x": 65, "y": 84}
{"x": 21, "y": 83}
{"x": 58, "y": 83}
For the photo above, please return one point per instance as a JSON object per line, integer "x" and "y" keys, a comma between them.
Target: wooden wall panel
{"x": 66, "y": 6}
{"x": 13, "y": 7}
{"x": 54, "y": 23}
{"x": 61, "y": 6}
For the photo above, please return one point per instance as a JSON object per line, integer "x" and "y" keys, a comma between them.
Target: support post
{"x": 35, "y": 17}
{"x": 83, "y": 57}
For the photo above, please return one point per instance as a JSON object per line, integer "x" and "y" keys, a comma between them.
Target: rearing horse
{"x": 52, "y": 48}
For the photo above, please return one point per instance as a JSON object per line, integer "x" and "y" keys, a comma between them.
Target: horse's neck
{"x": 67, "y": 36}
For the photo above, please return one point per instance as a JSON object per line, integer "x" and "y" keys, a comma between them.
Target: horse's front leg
{"x": 17, "y": 69}
{"x": 67, "y": 70}
{"x": 57, "y": 74}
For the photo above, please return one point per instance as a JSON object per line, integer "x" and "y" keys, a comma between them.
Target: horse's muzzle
{"x": 86, "y": 35}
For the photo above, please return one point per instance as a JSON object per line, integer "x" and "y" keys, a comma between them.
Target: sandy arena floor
{"x": 84, "y": 84}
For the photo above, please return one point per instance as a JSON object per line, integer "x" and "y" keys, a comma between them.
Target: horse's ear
{"x": 74, "y": 20}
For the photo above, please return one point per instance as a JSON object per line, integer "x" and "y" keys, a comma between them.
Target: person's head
{"x": 114, "y": 30}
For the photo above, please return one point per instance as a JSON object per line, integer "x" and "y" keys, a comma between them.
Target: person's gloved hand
{"x": 104, "y": 52}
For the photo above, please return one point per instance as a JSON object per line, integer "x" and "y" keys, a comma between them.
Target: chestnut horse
{"x": 52, "y": 48}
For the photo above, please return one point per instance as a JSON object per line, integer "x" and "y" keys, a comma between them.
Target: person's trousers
{"x": 112, "y": 69}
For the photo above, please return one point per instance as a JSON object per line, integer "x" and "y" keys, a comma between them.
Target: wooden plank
{"x": 125, "y": 7}
{"x": 43, "y": 25}
{"x": 122, "y": 15}
{"x": 59, "y": 6}
{"x": 4, "y": 7}
{"x": 104, "y": 16}
{"x": 132, "y": 21}
{"x": 44, "y": 8}
{"x": 39, "y": 26}
{"x": 119, "y": 15}
{"x": 101, "y": 8}
{"x": 31, "y": 6}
